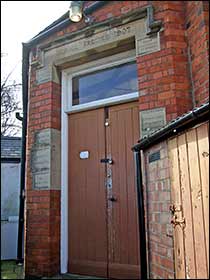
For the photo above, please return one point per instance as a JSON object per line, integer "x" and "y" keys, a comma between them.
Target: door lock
{"x": 113, "y": 199}
{"x": 106, "y": 160}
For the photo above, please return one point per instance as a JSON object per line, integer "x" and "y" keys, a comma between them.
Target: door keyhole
{"x": 112, "y": 199}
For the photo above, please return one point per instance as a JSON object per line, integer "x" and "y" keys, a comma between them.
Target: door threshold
{"x": 72, "y": 276}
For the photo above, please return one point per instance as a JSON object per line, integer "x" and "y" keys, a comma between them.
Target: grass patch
{"x": 10, "y": 270}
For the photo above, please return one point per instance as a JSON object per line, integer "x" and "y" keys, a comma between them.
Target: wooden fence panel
{"x": 176, "y": 200}
{"x": 187, "y": 207}
{"x": 189, "y": 168}
{"x": 203, "y": 144}
{"x": 196, "y": 193}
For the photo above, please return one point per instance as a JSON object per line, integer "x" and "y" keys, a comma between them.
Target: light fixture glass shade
{"x": 75, "y": 11}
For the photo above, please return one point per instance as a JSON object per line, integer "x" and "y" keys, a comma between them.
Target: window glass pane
{"x": 106, "y": 83}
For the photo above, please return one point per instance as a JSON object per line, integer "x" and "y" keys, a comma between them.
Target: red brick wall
{"x": 42, "y": 250}
{"x": 197, "y": 29}
{"x": 44, "y": 106}
{"x": 164, "y": 81}
{"x": 158, "y": 221}
{"x": 42, "y": 228}
{"x": 163, "y": 75}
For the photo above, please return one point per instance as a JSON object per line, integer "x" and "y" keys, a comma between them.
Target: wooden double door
{"x": 103, "y": 220}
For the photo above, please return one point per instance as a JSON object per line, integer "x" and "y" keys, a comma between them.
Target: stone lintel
{"x": 77, "y": 49}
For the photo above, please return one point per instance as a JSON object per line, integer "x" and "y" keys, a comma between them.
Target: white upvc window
{"x": 103, "y": 85}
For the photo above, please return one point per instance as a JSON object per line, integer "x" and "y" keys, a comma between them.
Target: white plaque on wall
{"x": 151, "y": 120}
{"x": 148, "y": 44}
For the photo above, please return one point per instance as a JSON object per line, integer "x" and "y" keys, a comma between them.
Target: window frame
{"x": 102, "y": 102}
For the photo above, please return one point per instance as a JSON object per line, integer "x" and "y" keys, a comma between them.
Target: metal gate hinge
{"x": 176, "y": 210}
{"x": 181, "y": 222}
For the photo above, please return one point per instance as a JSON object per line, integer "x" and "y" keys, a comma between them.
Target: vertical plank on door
{"x": 131, "y": 138}
{"x": 136, "y": 137}
{"x": 176, "y": 199}
{"x": 187, "y": 207}
{"x": 87, "y": 195}
{"x": 122, "y": 193}
{"x": 124, "y": 125}
{"x": 203, "y": 150}
{"x": 196, "y": 192}
{"x": 113, "y": 209}
{"x": 131, "y": 188}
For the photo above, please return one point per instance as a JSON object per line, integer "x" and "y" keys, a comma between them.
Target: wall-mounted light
{"x": 76, "y": 10}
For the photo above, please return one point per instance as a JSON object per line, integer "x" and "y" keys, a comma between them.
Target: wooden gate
{"x": 189, "y": 168}
{"x": 103, "y": 223}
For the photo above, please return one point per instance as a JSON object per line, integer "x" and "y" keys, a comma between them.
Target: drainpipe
{"x": 25, "y": 66}
{"x": 18, "y": 116}
{"x": 141, "y": 215}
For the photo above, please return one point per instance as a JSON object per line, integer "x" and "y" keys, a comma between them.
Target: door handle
{"x": 113, "y": 199}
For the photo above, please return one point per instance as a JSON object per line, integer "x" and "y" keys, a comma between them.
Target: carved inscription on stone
{"x": 151, "y": 120}
{"x": 72, "y": 50}
{"x": 107, "y": 36}
{"x": 68, "y": 50}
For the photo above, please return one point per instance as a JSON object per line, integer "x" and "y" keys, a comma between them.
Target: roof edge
{"x": 6, "y": 137}
{"x": 174, "y": 127}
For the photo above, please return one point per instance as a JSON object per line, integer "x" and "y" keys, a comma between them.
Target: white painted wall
{"x": 10, "y": 189}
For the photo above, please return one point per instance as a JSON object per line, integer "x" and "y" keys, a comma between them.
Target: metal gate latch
{"x": 177, "y": 216}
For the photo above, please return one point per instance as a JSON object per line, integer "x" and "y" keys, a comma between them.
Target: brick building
{"x": 91, "y": 89}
